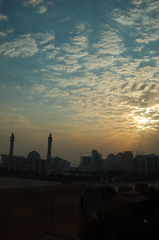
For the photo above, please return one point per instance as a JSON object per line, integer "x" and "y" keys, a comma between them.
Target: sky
{"x": 85, "y": 70}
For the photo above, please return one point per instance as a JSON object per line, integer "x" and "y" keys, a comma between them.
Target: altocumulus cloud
{"x": 3, "y": 34}
{"x": 38, "y": 88}
{"x": 3, "y": 17}
{"x": 33, "y": 3}
{"x": 98, "y": 68}
{"x": 42, "y": 9}
{"x": 44, "y": 37}
{"x": 24, "y": 46}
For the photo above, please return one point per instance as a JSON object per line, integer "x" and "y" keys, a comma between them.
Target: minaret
{"x": 48, "y": 161}
{"x": 10, "y": 163}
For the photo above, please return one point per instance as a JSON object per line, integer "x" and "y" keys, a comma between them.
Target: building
{"x": 30, "y": 207}
{"x": 111, "y": 157}
{"x": 120, "y": 156}
{"x": 96, "y": 157}
{"x": 139, "y": 163}
{"x": 85, "y": 160}
{"x": 150, "y": 163}
{"x": 33, "y": 162}
{"x": 122, "y": 161}
{"x": 62, "y": 164}
{"x": 131, "y": 197}
{"x": 128, "y": 157}
{"x": 157, "y": 163}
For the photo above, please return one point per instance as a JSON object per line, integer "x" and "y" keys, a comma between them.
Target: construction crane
{"x": 80, "y": 155}
{"x": 136, "y": 152}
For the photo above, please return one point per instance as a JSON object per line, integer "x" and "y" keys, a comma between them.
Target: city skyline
{"x": 91, "y": 154}
{"x": 86, "y": 71}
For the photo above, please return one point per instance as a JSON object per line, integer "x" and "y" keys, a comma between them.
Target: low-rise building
{"x": 30, "y": 207}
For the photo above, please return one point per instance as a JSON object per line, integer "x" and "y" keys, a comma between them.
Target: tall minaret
{"x": 48, "y": 161}
{"x": 10, "y": 163}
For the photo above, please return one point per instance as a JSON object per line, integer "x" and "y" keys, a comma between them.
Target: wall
{"x": 31, "y": 211}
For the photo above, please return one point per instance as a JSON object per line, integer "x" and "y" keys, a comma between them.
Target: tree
{"x": 115, "y": 222}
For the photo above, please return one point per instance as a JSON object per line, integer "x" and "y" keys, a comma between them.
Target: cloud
{"x": 68, "y": 68}
{"x": 152, "y": 6}
{"x": 10, "y": 30}
{"x": 9, "y": 120}
{"x": 121, "y": 17}
{"x": 3, "y": 86}
{"x": 80, "y": 40}
{"x": 33, "y": 3}
{"x": 52, "y": 54}
{"x": 80, "y": 27}
{"x": 64, "y": 19}
{"x": 55, "y": 92}
{"x": 48, "y": 47}
{"x": 109, "y": 41}
{"x": 42, "y": 9}
{"x": 38, "y": 88}
{"x": 71, "y": 49}
{"x": 50, "y": 3}
{"x": 44, "y": 37}
{"x": 3, "y": 34}
{"x": 94, "y": 62}
{"x": 124, "y": 85}
{"x": 3, "y": 17}
{"x": 48, "y": 91}
{"x": 152, "y": 87}
{"x": 24, "y": 46}
{"x": 18, "y": 87}
{"x": 14, "y": 109}
{"x": 142, "y": 87}
{"x": 137, "y": 2}
{"x": 147, "y": 62}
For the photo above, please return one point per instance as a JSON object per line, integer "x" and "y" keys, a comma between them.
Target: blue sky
{"x": 85, "y": 70}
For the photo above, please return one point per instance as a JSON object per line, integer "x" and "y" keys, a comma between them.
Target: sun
{"x": 141, "y": 120}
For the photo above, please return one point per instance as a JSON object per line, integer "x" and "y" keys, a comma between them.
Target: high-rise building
{"x": 128, "y": 157}
{"x": 120, "y": 156}
{"x": 150, "y": 162}
{"x": 85, "y": 160}
{"x": 139, "y": 163}
{"x": 111, "y": 157}
{"x": 96, "y": 157}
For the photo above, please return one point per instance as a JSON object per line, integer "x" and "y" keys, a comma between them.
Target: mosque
{"x": 33, "y": 162}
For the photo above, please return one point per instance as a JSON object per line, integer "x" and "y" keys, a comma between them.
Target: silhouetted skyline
{"x": 86, "y": 71}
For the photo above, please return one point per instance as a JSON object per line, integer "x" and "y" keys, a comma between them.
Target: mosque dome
{"x": 33, "y": 155}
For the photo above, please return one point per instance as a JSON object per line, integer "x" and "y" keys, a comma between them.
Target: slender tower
{"x": 10, "y": 163}
{"x": 48, "y": 161}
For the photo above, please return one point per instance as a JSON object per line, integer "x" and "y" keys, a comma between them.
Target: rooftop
{"x": 131, "y": 197}
{"x": 13, "y": 182}
{"x": 51, "y": 236}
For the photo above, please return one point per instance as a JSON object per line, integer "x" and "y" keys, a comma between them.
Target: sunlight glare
{"x": 141, "y": 120}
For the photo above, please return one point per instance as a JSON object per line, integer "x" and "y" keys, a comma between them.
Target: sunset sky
{"x": 85, "y": 70}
